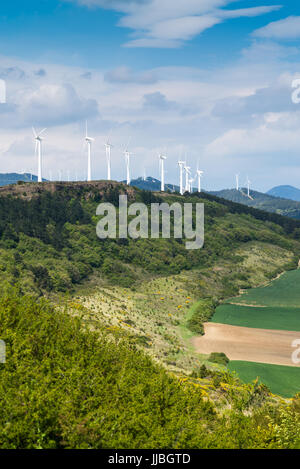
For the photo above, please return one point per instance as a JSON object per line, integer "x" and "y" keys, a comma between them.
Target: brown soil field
{"x": 247, "y": 344}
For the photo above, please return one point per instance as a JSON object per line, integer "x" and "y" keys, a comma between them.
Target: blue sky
{"x": 75, "y": 34}
{"x": 209, "y": 80}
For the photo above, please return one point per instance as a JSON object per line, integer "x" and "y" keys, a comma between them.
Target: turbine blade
{"x": 34, "y": 132}
{"x": 42, "y": 131}
{"x": 128, "y": 143}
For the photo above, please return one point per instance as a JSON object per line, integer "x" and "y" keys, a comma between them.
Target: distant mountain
{"x": 281, "y": 206}
{"x": 151, "y": 184}
{"x": 269, "y": 203}
{"x": 13, "y": 178}
{"x": 286, "y": 192}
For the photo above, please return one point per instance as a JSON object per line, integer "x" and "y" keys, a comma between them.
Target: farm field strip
{"x": 267, "y": 317}
{"x": 281, "y": 380}
{"x": 248, "y": 344}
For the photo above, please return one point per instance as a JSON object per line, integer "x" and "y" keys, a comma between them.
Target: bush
{"x": 219, "y": 358}
{"x": 202, "y": 312}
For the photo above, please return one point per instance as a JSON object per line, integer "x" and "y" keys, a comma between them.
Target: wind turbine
{"x": 237, "y": 182}
{"x": 187, "y": 181}
{"x": 181, "y": 165}
{"x": 199, "y": 175}
{"x": 248, "y": 186}
{"x": 38, "y": 150}
{"x": 127, "y": 155}
{"x": 108, "y": 147}
{"x": 162, "y": 159}
{"x": 191, "y": 180}
{"x": 89, "y": 141}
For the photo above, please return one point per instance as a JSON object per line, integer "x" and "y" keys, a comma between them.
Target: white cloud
{"x": 127, "y": 75}
{"x": 237, "y": 118}
{"x": 288, "y": 28}
{"x": 168, "y": 23}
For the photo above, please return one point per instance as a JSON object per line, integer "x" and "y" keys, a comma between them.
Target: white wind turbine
{"x": 38, "y": 150}
{"x": 237, "y": 180}
{"x": 191, "y": 181}
{"x": 127, "y": 155}
{"x": 187, "y": 178}
{"x": 89, "y": 141}
{"x": 248, "y": 187}
{"x": 108, "y": 147}
{"x": 199, "y": 176}
{"x": 162, "y": 159}
{"x": 181, "y": 165}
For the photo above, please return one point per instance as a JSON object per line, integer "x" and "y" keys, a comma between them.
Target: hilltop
{"x": 152, "y": 184}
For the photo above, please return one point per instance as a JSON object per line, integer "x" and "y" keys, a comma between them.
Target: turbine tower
{"x": 199, "y": 175}
{"x": 248, "y": 186}
{"x": 187, "y": 174}
{"x": 237, "y": 176}
{"x": 108, "y": 147}
{"x": 162, "y": 159}
{"x": 38, "y": 150}
{"x": 127, "y": 155}
{"x": 181, "y": 165}
{"x": 89, "y": 141}
{"x": 191, "y": 180}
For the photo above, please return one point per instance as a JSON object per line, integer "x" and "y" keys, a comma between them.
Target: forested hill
{"x": 48, "y": 238}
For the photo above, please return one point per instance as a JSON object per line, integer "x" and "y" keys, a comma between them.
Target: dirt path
{"x": 248, "y": 344}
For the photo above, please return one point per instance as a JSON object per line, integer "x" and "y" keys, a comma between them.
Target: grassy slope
{"x": 281, "y": 380}
{"x": 158, "y": 309}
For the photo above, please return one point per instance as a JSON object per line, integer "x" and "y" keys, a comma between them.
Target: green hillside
{"x": 48, "y": 239}
{"x": 63, "y": 386}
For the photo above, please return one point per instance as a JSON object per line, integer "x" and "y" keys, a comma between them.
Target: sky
{"x": 208, "y": 81}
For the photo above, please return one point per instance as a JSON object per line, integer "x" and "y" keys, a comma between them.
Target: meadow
{"x": 281, "y": 380}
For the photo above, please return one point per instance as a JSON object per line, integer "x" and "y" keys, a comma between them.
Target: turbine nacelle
{"x": 38, "y": 136}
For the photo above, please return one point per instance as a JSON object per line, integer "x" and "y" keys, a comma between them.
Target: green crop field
{"x": 281, "y": 380}
{"x": 284, "y": 291}
{"x": 280, "y": 318}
